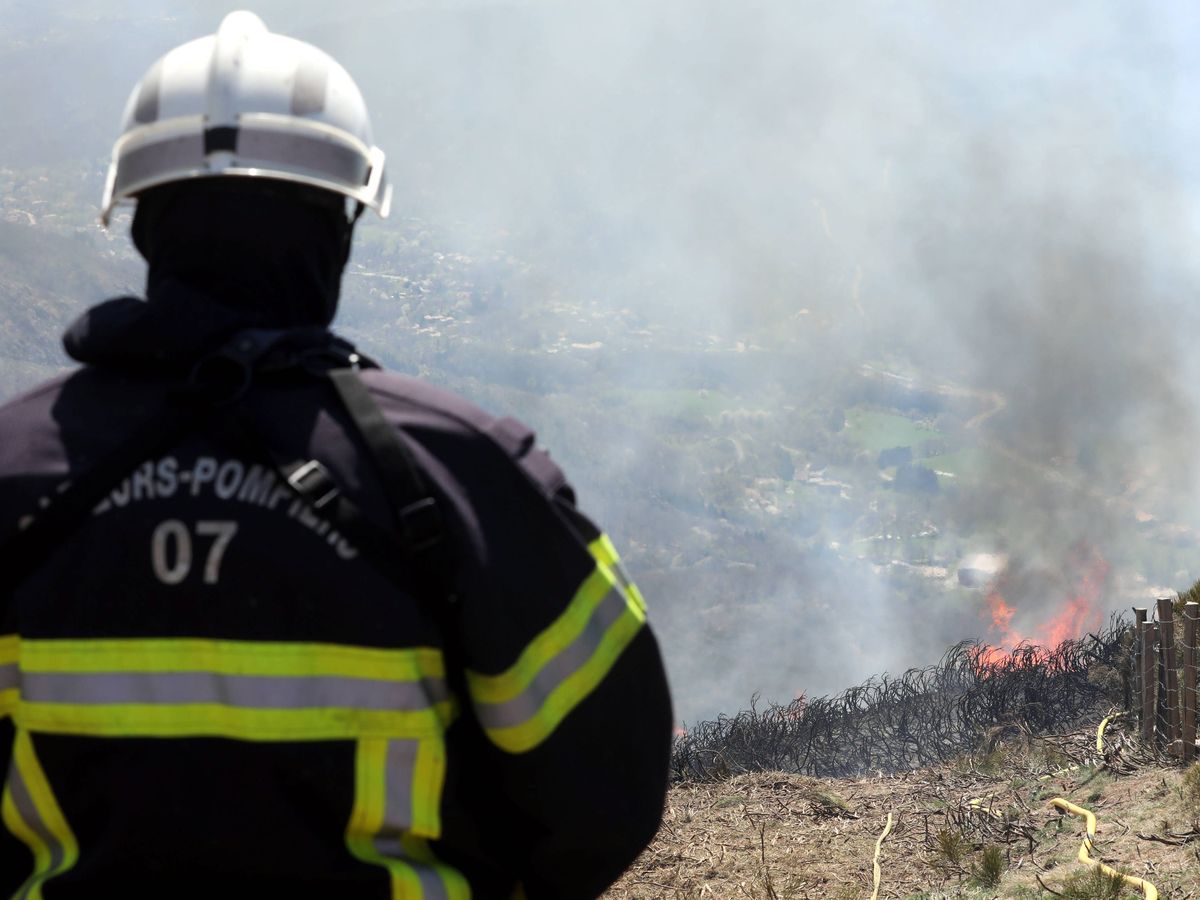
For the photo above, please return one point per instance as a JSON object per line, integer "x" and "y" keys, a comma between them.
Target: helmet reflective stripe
{"x": 247, "y": 103}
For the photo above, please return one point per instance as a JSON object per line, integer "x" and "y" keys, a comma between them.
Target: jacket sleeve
{"x": 566, "y": 681}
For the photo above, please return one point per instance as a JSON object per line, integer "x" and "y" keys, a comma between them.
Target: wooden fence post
{"x": 1149, "y": 667}
{"x": 1191, "y": 624}
{"x": 1135, "y": 659}
{"x": 1166, "y": 633}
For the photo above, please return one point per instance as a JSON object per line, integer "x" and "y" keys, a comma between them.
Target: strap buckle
{"x": 420, "y": 525}
{"x": 314, "y": 484}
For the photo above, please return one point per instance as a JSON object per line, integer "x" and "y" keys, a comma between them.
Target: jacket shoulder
{"x": 36, "y": 397}
{"x": 414, "y": 403}
{"x": 28, "y": 421}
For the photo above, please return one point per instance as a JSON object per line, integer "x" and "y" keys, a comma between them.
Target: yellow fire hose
{"x": 1100, "y": 730}
{"x": 878, "y": 846}
{"x": 1149, "y": 891}
{"x": 978, "y": 802}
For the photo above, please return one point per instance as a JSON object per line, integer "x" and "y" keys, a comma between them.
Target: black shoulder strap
{"x": 422, "y": 557}
{"x": 416, "y": 552}
{"x": 414, "y": 507}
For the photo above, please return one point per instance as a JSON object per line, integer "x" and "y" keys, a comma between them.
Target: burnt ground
{"x": 782, "y": 836}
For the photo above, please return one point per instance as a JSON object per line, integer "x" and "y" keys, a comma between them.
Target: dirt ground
{"x": 787, "y": 836}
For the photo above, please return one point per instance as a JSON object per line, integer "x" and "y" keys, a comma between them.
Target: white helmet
{"x": 245, "y": 102}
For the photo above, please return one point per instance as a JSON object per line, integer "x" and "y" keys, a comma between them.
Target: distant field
{"x": 962, "y": 463}
{"x": 703, "y": 401}
{"x": 878, "y": 431}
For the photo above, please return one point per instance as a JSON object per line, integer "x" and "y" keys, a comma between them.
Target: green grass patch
{"x": 877, "y": 431}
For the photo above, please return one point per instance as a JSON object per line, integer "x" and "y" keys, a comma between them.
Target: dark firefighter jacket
{"x": 207, "y": 692}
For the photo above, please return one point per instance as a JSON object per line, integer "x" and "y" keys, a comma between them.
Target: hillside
{"x": 769, "y": 835}
{"x": 48, "y": 277}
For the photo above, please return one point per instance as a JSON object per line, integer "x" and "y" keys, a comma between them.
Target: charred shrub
{"x": 919, "y": 718}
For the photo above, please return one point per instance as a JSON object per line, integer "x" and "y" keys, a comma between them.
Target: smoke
{"x": 990, "y": 194}
{"x": 1000, "y": 197}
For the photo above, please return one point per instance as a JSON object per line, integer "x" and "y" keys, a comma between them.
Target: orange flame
{"x": 1081, "y": 612}
{"x": 1002, "y": 616}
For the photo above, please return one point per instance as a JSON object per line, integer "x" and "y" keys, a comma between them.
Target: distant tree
{"x": 894, "y": 456}
{"x": 1191, "y": 595}
{"x": 784, "y": 467}
{"x": 916, "y": 479}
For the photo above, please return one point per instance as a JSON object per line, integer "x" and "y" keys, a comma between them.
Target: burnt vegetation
{"x": 973, "y": 697}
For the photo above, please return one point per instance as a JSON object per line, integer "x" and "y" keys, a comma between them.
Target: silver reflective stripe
{"x": 33, "y": 819}
{"x": 398, "y": 798}
{"x": 319, "y": 157}
{"x": 621, "y": 575}
{"x": 336, "y": 161}
{"x": 152, "y": 160}
{"x": 9, "y": 676}
{"x": 249, "y": 691}
{"x": 397, "y": 815}
{"x": 431, "y": 884}
{"x": 526, "y": 705}
{"x": 432, "y": 887}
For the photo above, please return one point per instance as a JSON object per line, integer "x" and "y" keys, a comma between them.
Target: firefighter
{"x": 276, "y": 622}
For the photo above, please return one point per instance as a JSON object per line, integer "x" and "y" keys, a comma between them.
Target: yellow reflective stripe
{"x": 604, "y": 551}
{"x": 33, "y": 815}
{"x": 543, "y": 648}
{"x": 18, "y": 827}
{"x": 215, "y": 720}
{"x": 10, "y": 645}
{"x": 521, "y": 707}
{"x": 454, "y": 885}
{"x": 429, "y": 774}
{"x": 228, "y": 658}
{"x": 573, "y": 690}
{"x": 248, "y": 690}
{"x": 412, "y": 867}
{"x": 606, "y": 554}
{"x": 366, "y": 818}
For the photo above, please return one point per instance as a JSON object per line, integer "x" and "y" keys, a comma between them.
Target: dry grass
{"x": 785, "y": 837}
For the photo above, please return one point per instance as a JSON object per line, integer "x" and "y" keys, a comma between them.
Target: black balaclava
{"x": 225, "y": 254}
{"x": 271, "y": 250}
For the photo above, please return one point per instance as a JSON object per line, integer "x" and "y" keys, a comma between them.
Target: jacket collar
{"x": 168, "y": 334}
